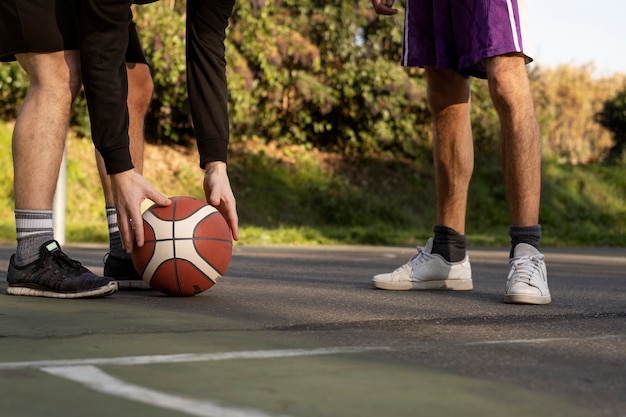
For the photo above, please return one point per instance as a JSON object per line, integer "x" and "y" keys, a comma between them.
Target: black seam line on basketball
{"x": 189, "y": 238}
{"x": 215, "y": 268}
{"x": 178, "y": 286}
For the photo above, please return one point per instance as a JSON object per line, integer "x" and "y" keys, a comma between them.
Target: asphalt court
{"x": 297, "y": 331}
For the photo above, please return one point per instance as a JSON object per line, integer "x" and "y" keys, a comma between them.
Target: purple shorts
{"x": 460, "y": 34}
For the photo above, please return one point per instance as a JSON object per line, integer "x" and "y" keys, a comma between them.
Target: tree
{"x": 324, "y": 73}
{"x": 613, "y": 117}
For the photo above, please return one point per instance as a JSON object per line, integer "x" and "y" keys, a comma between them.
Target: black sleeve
{"x": 207, "y": 88}
{"x": 104, "y": 40}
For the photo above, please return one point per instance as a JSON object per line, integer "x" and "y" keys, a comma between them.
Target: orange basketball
{"x": 187, "y": 249}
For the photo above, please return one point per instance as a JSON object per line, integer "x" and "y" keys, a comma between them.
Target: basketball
{"x": 188, "y": 246}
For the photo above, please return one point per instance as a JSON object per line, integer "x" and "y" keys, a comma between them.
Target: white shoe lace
{"x": 421, "y": 256}
{"x": 526, "y": 267}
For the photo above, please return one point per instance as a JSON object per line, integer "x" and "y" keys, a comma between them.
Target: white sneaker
{"x": 427, "y": 271}
{"x": 528, "y": 281}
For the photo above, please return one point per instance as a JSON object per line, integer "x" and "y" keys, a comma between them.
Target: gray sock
{"x": 115, "y": 238}
{"x": 33, "y": 229}
{"x": 448, "y": 243}
{"x": 524, "y": 234}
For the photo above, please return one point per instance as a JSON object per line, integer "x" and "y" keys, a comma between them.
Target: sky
{"x": 578, "y": 32}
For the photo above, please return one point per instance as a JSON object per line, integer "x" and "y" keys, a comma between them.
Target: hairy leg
{"x": 453, "y": 149}
{"x": 520, "y": 142}
{"x": 41, "y": 126}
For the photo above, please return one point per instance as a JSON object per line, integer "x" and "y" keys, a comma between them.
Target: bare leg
{"x": 443, "y": 263}
{"x": 520, "y": 142}
{"x": 453, "y": 149}
{"x": 41, "y": 126}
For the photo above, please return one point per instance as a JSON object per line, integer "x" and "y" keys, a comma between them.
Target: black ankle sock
{"x": 524, "y": 234}
{"x": 448, "y": 243}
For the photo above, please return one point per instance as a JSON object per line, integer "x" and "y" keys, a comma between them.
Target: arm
{"x": 104, "y": 39}
{"x": 220, "y": 195}
{"x": 208, "y": 99}
{"x": 104, "y": 32}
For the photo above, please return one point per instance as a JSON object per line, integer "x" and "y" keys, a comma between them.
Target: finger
{"x": 137, "y": 230}
{"x": 134, "y": 229}
{"x": 227, "y": 207}
{"x": 159, "y": 199}
{"x": 125, "y": 231}
{"x": 233, "y": 222}
{"x": 230, "y": 214}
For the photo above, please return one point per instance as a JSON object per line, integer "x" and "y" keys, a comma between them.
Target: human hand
{"x": 129, "y": 190}
{"x": 384, "y": 7}
{"x": 220, "y": 195}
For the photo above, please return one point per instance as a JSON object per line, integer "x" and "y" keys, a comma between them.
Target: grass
{"x": 298, "y": 195}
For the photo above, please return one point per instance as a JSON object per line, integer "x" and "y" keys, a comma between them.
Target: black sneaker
{"x": 55, "y": 275}
{"x": 124, "y": 273}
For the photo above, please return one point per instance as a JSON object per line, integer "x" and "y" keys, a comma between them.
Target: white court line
{"x": 544, "y": 340}
{"x": 85, "y": 372}
{"x": 99, "y": 381}
{"x": 189, "y": 357}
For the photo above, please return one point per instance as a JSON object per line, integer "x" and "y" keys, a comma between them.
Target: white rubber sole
{"x": 442, "y": 285}
{"x": 103, "y": 291}
{"x": 527, "y": 299}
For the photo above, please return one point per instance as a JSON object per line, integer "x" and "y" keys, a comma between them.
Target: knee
{"x": 55, "y": 77}
{"x": 508, "y": 80}
{"x": 446, "y": 88}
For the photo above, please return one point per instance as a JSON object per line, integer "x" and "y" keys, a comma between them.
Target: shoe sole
{"x": 441, "y": 285}
{"x": 132, "y": 284}
{"x": 527, "y": 299}
{"x": 103, "y": 291}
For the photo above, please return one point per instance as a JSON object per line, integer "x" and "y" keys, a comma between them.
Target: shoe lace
{"x": 525, "y": 268}
{"x": 64, "y": 261}
{"x": 420, "y": 257}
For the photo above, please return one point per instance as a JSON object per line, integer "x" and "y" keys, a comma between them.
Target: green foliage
{"x": 347, "y": 194}
{"x": 485, "y": 122}
{"x": 595, "y": 190}
{"x": 296, "y": 195}
{"x": 320, "y": 73}
{"x": 162, "y": 32}
{"x": 566, "y": 100}
{"x": 7, "y": 225}
{"x": 613, "y": 117}
{"x": 13, "y": 89}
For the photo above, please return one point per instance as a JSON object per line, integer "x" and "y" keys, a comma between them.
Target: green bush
{"x": 613, "y": 117}
{"x": 13, "y": 89}
{"x": 162, "y": 33}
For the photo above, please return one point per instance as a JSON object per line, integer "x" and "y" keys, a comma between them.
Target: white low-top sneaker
{"x": 427, "y": 271}
{"x": 528, "y": 281}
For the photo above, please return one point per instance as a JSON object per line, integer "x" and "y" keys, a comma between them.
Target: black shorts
{"x": 48, "y": 26}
